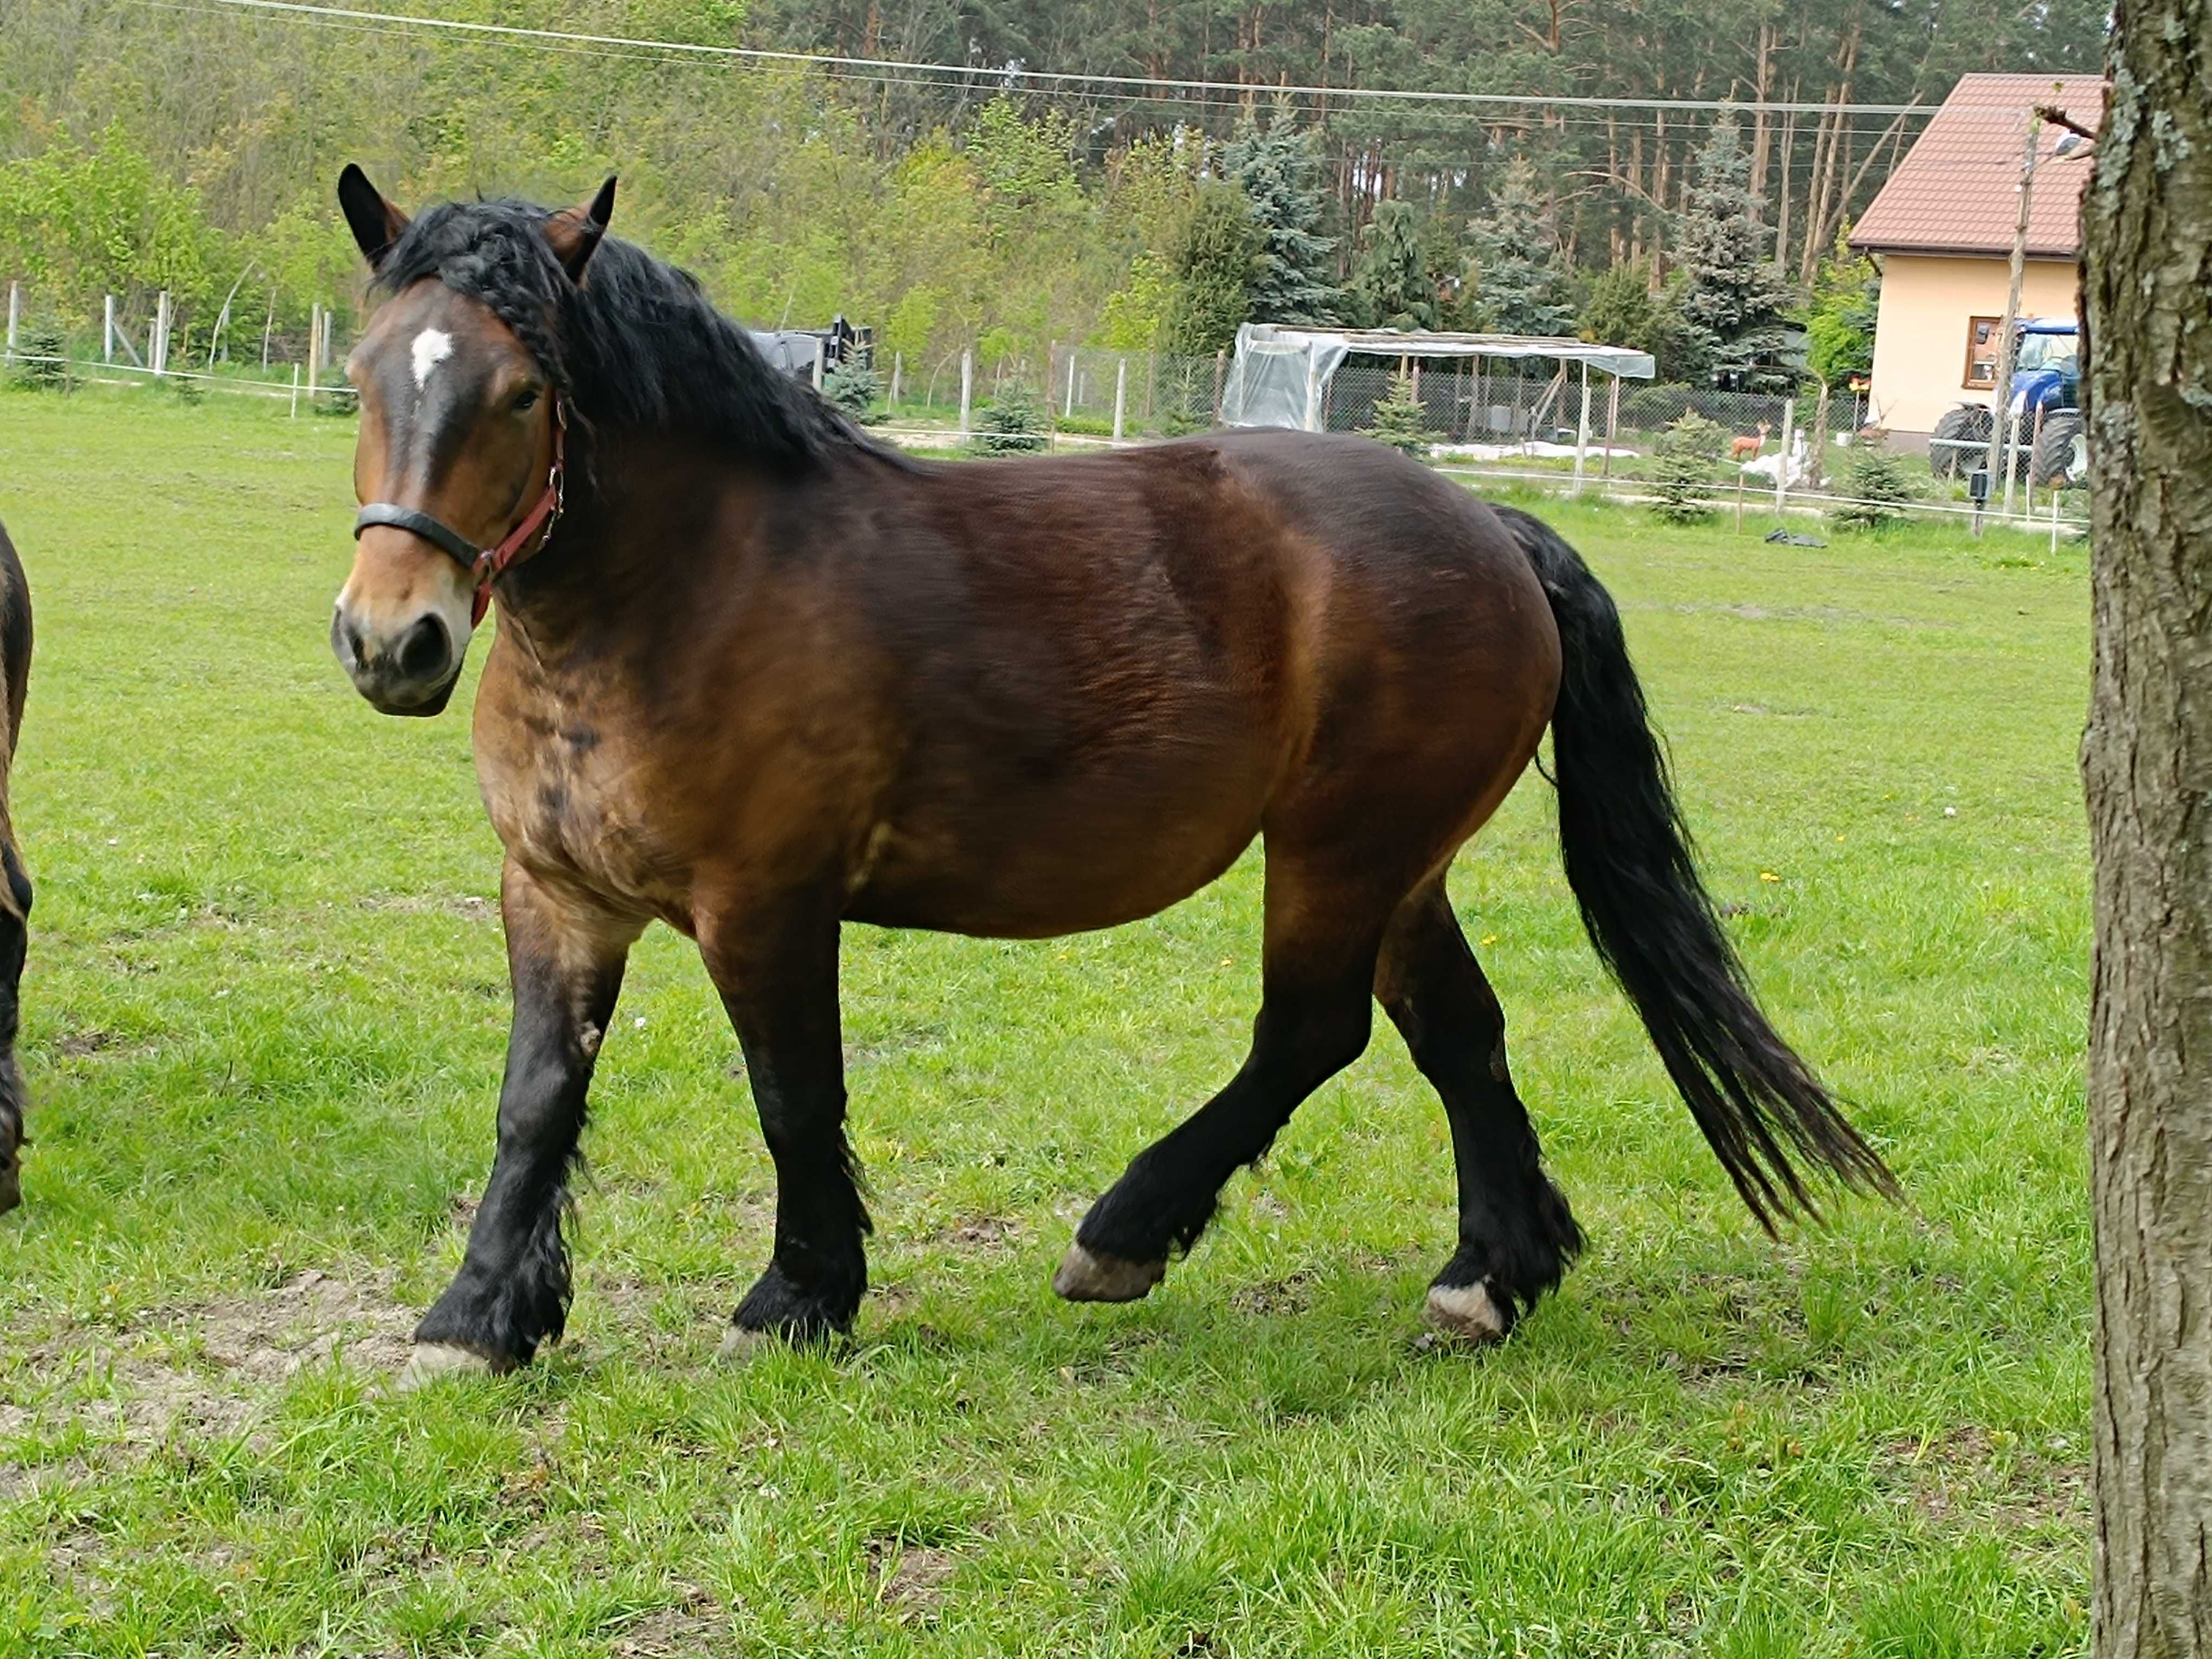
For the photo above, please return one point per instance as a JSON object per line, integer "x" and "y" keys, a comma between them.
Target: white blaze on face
{"x": 432, "y": 347}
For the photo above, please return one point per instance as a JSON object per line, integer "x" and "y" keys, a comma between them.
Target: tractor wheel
{"x": 2062, "y": 453}
{"x": 1952, "y": 454}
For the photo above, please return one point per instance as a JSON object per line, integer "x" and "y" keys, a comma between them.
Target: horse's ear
{"x": 575, "y": 232}
{"x": 376, "y": 223}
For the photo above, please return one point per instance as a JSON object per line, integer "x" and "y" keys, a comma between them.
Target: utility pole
{"x": 2001, "y": 428}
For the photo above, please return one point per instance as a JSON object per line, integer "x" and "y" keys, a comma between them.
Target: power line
{"x": 886, "y": 68}
{"x": 1587, "y": 121}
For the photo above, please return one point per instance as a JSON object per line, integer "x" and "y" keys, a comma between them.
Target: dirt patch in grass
{"x": 1983, "y": 1479}
{"x": 211, "y": 1368}
{"x": 991, "y": 1234}
{"x": 1291, "y": 1294}
{"x": 911, "y": 1580}
{"x": 696, "y": 1624}
{"x": 442, "y": 904}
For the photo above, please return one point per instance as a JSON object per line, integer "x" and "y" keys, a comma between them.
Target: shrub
{"x": 1012, "y": 423}
{"x": 1876, "y": 486}
{"x": 43, "y": 350}
{"x": 1402, "y": 420}
{"x": 853, "y": 387}
{"x": 1683, "y": 459}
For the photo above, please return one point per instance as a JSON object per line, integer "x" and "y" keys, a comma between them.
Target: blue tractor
{"x": 2047, "y": 377}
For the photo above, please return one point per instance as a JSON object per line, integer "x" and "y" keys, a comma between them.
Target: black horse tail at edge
{"x": 1628, "y": 859}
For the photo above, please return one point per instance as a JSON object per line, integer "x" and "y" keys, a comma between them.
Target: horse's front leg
{"x": 565, "y": 955}
{"x": 776, "y": 968}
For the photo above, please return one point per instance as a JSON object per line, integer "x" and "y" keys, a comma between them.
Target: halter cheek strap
{"x": 485, "y": 565}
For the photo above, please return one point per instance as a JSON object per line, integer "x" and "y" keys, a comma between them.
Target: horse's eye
{"x": 525, "y": 401}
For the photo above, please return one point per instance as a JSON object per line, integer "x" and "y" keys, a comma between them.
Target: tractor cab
{"x": 2046, "y": 398}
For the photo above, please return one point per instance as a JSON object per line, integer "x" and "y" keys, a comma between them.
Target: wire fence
{"x": 146, "y": 339}
{"x": 1485, "y": 419}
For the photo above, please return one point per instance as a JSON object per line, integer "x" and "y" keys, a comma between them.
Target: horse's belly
{"x": 1035, "y": 868}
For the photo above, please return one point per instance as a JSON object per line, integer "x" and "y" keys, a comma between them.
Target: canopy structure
{"x": 1281, "y": 374}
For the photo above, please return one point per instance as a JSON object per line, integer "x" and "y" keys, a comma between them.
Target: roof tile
{"x": 1956, "y": 190}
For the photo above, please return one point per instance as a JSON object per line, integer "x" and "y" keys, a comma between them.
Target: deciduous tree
{"x": 2146, "y": 762}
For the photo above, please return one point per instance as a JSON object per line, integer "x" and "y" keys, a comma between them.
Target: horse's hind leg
{"x": 1316, "y": 972}
{"x": 1516, "y": 1233}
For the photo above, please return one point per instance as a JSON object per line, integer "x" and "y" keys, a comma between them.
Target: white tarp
{"x": 1281, "y": 375}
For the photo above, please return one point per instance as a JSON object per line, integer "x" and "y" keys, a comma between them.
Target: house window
{"x": 1983, "y": 334}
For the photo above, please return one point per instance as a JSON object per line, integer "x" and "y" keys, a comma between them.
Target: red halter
{"x": 485, "y": 565}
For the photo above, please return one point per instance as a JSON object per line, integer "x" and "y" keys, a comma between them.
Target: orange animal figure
{"x": 1747, "y": 448}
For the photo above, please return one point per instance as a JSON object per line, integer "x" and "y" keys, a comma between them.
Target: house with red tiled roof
{"x": 1942, "y": 227}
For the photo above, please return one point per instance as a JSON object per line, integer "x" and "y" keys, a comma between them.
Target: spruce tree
{"x": 1620, "y": 310}
{"x": 1279, "y": 170}
{"x": 1393, "y": 287}
{"x": 1213, "y": 264}
{"x": 1401, "y": 420}
{"x": 1519, "y": 287}
{"x": 1735, "y": 302}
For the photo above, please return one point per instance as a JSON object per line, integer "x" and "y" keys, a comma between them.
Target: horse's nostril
{"x": 345, "y": 641}
{"x": 422, "y": 654}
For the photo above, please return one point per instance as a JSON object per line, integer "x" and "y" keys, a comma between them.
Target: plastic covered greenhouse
{"x": 1286, "y": 376}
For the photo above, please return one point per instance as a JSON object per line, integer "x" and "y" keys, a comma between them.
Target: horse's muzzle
{"x": 412, "y": 673}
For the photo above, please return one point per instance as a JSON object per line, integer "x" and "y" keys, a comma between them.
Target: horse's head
{"x": 457, "y": 459}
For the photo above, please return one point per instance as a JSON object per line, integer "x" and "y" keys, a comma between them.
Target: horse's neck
{"x": 649, "y": 521}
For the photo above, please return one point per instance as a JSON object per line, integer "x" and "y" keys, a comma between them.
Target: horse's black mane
{"x": 635, "y": 346}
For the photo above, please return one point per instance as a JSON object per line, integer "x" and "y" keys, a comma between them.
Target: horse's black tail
{"x": 1628, "y": 859}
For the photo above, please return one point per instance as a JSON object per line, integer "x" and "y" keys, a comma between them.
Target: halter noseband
{"x": 484, "y": 564}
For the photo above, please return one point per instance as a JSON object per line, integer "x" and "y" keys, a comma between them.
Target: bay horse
{"x": 15, "y": 888}
{"x": 756, "y": 675}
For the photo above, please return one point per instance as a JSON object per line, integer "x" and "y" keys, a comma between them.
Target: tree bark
{"x": 2147, "y": 764}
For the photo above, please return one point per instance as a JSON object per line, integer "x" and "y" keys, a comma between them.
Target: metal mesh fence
{"x": 137, "y": 339}
{"x": 1511, "y": 421}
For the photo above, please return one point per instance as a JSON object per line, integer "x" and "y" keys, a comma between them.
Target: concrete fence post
{"x": 1782, "y": 457}
{"x": 108, "y": 328}
{"x": 898, "y": 373}
{"x": 967, "y": 390}
{"x": 295, "y": 391}
{"x": 1121, "y": 393}
{"x": 15, "y": 314}
{"x": 1581, "y": 433}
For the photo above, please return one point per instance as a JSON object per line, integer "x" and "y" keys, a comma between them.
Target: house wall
{"x": 1920, "y": 331}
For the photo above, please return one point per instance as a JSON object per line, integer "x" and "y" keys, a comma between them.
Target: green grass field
{"x": 264, "y": 1019}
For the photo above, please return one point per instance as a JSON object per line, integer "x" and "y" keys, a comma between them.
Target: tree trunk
{"x": 2147, "y": 762}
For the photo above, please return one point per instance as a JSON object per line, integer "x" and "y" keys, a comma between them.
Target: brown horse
{"x": 15, "y": 888}
{"x": 755, "y": 676}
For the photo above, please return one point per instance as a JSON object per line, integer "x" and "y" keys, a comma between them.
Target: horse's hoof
{"x": 1467, "y": 1312}
{"x": 432, "y": 1360}
{"x": 740, "y": 1347}
{"x": 1089, "y": 1276}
